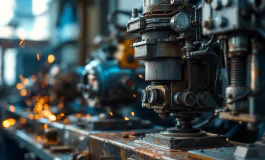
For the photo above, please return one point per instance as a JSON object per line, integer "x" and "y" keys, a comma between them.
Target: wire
{"x": 168, "y": 14}
{"x": 155, "y": 7}
{"x": 111, "y": 19}
{"x": 244, "y": 96}
{"x": 219, "y": 71}
{"x": 205, "y": 122}
{"x": 209, "y": 42}
{"x": 238, "y": 98}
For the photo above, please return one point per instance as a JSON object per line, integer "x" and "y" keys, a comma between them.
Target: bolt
{"x": 250, "y": 145}
{"x": 229, "y": 96}
{"x": 221, "y": 21}
{"x": 227, "y": 3}
{"x": 208, "y": 24}
{"x": 134, "y": 13}
{"x": 216, "y": 4}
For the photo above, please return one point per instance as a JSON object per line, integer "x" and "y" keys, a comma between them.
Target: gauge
{"x": 153, "y": 96}
{"x": 144, "y": 96}
{"x": 180, "y": 22}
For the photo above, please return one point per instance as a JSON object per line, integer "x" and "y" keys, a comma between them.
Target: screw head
{"x": 216, "y": 4}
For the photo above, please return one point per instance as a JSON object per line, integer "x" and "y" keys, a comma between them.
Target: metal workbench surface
{"x": 29, "y": 141}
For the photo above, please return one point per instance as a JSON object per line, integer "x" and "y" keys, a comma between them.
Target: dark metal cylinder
{"x": 164, "y": 7}
{"x": 238, "y": 73}
{"x": 166, "y": 69}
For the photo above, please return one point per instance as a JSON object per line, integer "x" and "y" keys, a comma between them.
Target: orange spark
{"x": 31, "y": 116}
{"x": 19, "y": 86}
{"x": 21, "y": 43}
{"x": 34, "y": 78}
{"x": 5, "y": 124}
{"x": 60, "y": 105}
{"x": 52, "y": 117}
{"x": 51, "y": 58}
{"x": 66, "y": 120}
{"x": 111, "y": 113}
{"x": 78, "y": 115}
{"x": 126, "y": 119}
{"x": 26, "y": 81}
{"x": 23, "y": 92}
{"x": 132, "y": 113}
{"x": 21, "y": 78}
{"x": 141, "y": 76}
{"x": 22, "y": 121}
{"x": 8, "y": 122}
{"x": 37, "y": 116}
{"x": 88, "y": 116}
{"x": 38, "y": 138}
{"x": 38, "y": 56}
{"x": 134, "y": 95}
{"x": 45, "y": 126}
{"x": 12, "y": 109}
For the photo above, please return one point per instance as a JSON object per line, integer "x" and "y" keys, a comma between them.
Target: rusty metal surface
{"x": 33, "y": 144}
{"x": 184, "y": 143}
{"x": 241, "y": 117}
{"x": 108, "y": 124}
{"x": 76, "y": 137}
{"x": 214, "y": 154}
{"x": 226, "y": 153}
{"x": 239, "y": 151}
{"x": 113, "y": 146}
{"x": 71, "y": 136}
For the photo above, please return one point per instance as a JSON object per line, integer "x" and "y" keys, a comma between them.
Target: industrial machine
{"x": 184, "y": 45}
{"x": 239, "y": 26}
{"x": 182, "y": 67}
{"x": 112, "y": 84}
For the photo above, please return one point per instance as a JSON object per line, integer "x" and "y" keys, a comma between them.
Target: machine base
{"x": 121, "y": 146}
{"x": 241, "y": 152}
{"x": 184, "y": 143}
{"x": 97, "y": 123}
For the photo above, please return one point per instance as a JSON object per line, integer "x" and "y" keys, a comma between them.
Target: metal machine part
{"x": 240, "y": 24}
{"x": 106, "y": 85}
{"x": 123, "y": 146}
{"x": 63, "y": 82}
{"x": 244, "y": 32}
{"x": 179, "y": 64}
{"x": 244, "y": 152}
{"x": 49, "y": 140}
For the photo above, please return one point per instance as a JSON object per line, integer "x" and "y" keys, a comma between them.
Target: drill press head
{"x": 181, "y": 86}
{"x": 105, "y": 84}
{"x": 242, "y": 35}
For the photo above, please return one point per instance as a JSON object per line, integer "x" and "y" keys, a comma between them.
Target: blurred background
{"x": 35, "y": 33}
{"x": 51, "y": 49}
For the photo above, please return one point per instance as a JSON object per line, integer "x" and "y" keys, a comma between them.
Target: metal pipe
{"x": 254, "y": 67}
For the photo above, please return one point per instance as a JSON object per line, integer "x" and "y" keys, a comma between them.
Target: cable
{"x": 209, "y": 42}
{"x": 247, "y": 94}
{"x": 155, "y": 7}
{"x": 168, "y": 14}
{"x": 111, "y": 19}
{"x": 205, "y": 122}
{"x": 219, "y": 71}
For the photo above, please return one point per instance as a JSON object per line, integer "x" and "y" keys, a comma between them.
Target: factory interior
{"x": 132, "y": 79}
